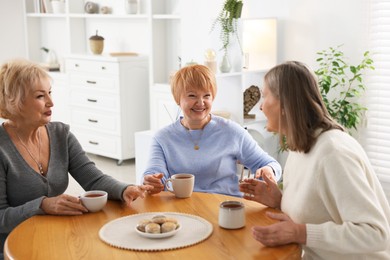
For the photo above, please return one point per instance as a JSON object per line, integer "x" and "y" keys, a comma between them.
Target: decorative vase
{"x": 96, "y": 43}
{"x": 225, "y": 66}
{"x": 51, "y": 58}
{"x": 91, "y": 8}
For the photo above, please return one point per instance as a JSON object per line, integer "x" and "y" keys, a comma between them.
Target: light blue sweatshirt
{"x": 222, "y": 143}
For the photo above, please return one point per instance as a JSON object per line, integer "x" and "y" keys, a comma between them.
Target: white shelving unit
{"x": 153, "y": 32}
{"x": 156, "y": 32}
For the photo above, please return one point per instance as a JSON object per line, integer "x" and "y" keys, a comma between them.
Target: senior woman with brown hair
{"x": 332, "y": 201}
{"x": 36, "y": 154}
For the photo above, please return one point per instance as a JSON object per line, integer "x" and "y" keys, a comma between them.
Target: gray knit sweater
{"x": 22, "y": 189}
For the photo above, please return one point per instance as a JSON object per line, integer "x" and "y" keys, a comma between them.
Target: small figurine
{"x": 210, "y": 61}
{"x": 252, "y": 95}
{"x": 91, "y": 8}
{"x": 96, "y": 43}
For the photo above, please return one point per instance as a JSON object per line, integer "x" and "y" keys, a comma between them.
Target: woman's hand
{"x": 155, "y": 181}
{"x": 281, "y": 233}
{"x": 133, "y": 192}
{"x": 63, "y": 205}
{"x": 264, "y": 191}
{"x": 266, "y": 170}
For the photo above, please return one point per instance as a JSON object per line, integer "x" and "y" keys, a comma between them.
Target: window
{"x": 376, "y": 139}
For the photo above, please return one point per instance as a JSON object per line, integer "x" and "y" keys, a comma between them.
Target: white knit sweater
{"x": 334, "y": 190}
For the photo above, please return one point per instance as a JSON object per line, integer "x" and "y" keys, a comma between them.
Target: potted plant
{"x": 341, "y": 85}
{"x": 227, "y": 19}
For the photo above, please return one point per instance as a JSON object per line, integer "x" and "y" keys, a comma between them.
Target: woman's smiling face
{"x": 196, "y": 106}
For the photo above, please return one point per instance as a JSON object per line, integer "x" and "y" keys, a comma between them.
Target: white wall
{"x": 12, "y": 30}
{"x": 313, "y": 25}
{"x": 304, "y": 27}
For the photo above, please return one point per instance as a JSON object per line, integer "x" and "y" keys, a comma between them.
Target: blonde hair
{"x": 17, "y": 77}
{"x": 190, "y": 77}
{"x": 301, "y": 102}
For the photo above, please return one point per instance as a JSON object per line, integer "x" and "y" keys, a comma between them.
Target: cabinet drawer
{"x": 92, "y": 66}
{"x": 95, "y": 100}
{"x": 99, "y": 144}
{"x": 92, "y": 81}
{"x": 95, "y": 121}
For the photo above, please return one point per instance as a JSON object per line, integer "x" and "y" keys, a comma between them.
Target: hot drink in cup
{"x": 94, "y": 200}
{"x": 182, "y": 184}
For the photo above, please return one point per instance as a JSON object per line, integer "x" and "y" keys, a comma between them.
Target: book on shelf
{"x": 42, "y": 6}
{"x": 47, "y": 6}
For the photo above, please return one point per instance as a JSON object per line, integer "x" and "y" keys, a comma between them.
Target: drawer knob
{"x": 93, "y": 120}
{"x": 77, "y": 65}
{"x": 103, "y": 68}
{"x": 92, "y": 100}
{"x": 94, "y": 143}
{"x": 91, "y": 82}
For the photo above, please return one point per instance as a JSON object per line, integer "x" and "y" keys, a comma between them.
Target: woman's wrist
{"x": 301, "y": 234}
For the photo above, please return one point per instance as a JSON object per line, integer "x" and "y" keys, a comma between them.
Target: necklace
{"x": 39, "y": 151}
{"x": 195, "y": 142}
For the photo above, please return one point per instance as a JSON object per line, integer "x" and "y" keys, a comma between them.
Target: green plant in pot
{"x": 227, "y": 19}
{"x": 342, "y": 85}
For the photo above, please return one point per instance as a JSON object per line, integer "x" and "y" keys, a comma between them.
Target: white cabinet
{"x": 106, "y": 127}
{"x": 109, "y": 102}
{"x": 154, "y": 31}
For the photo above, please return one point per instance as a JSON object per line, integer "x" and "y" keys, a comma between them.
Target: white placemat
{"x": 121, "y": 233}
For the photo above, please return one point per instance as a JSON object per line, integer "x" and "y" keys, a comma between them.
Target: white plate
{"x": 120, "y": 232}
{"x": 159, "y": 235}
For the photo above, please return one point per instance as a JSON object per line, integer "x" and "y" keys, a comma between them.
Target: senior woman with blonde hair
{"x": 203, "y": 144}
{"x": 36, "y": 154}
{"x": 332, "y": 201}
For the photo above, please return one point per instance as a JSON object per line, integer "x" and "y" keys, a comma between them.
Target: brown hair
{"x": 194, "y": 76}
{"x": 302, "y": 108}
{"x": 17, "y": 77}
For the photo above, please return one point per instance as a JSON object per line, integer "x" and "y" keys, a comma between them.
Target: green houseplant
{"x": 342, "y": 85}
{"x": 227, "y": 20}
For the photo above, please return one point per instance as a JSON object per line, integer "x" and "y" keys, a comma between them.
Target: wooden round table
{"x": 76, "y": 237}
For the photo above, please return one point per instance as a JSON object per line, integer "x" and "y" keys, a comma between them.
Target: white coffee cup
{"x": 94, "y": 200}
{"x": 182, "y": 184}
{"x": 231, "y": 215}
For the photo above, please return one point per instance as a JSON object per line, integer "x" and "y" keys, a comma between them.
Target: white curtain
{"x": 376, "y": 139}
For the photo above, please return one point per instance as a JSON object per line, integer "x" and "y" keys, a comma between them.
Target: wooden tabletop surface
{"x": 76, "y": 237}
